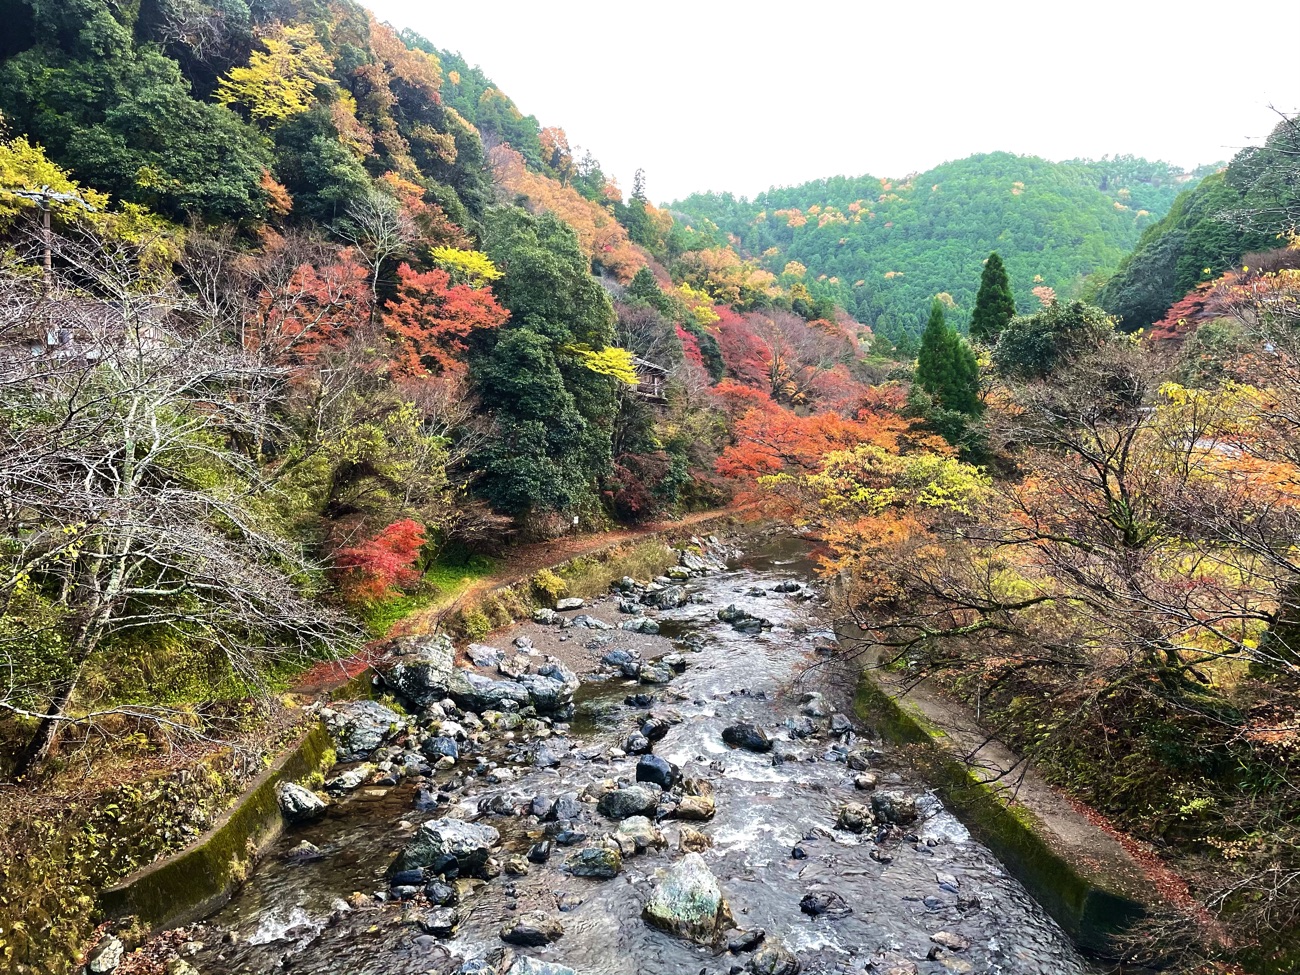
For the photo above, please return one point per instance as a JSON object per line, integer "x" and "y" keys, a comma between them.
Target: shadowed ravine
{"x": 913, "y": 883}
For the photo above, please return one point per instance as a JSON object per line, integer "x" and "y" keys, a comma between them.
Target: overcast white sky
{"x": 742, "y": 96}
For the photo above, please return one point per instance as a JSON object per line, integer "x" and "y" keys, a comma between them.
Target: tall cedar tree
{"x": 946, "y": 366}
{"x": 994, "y": 304}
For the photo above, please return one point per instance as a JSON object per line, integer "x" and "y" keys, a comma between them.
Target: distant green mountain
{"x": 1244, "y": 208}
{"x": 883, "y": 248}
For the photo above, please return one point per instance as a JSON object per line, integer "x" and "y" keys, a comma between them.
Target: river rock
{"x": 688, "y": 902}
{"x": 638, "y": 833}
{"x": 359, "y": 727}
{"x": 440, "y": 746}
{"x": 540, "y": 851}
{"x": 657, "y": 771}
{"x": 693, "y": 841}
{"x": 635, "y": 800}
{"x": 894, "y": 807}
{"x": 636, "y": 744}
{"x": 774, "y": 958}
{"x": 595, "y": 861}
{"x": 515, "y": 666}
{"x": 106, "y": 956}
{"x": 545, "y": 616}
{"x": 642, "y": 624}
{"x": 855, "y": 817}
{"x": 866, "y": 781}
{"x": 474, "y": 692}
{"x": 550, "y": 752}
{"x": 670, "y": 597}
{"x": 745, "y": 940}
{"x": 299, "y": 805}
{"x": 655, "y": 672}
{"x": 748, "y": 736}
{"x": 467, "y": 845}
{"x": 349, "y": 780}
{"x": 532, "y": 930}
{"x": 733, "y": 614}
{"x": 814, "y": 705}
{"x": 441, "y": 922}
{"x": 788, "y": 586}
{"x": 819, "y": 902}
{"x": 694, "y": 808}
{"x": 418, "y": 668}
{"x": 953, "y": 942}
{"x": 482, "y": 655}
{"x": 586, "y": 621}
{"x": 569, "y": 603}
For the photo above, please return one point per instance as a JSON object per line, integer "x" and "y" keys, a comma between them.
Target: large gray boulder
{"x": 419, "y": 668}
{"x": 359, "y": 727}
{"x": 439, "y": 842}
{"x": 299, "y": 804}
{"x": 894, "y": 807}
{"x": 688, "y": 902}
{"x": 477, "y": 693}
{"x": 550, "y": 689}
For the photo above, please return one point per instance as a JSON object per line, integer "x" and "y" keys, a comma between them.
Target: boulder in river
{"x": 418, "y": 668}
{"x": 636, "y": 800}
{"x": 441, "y": 922}
{"x": 655, "y": 672}
{"x": 894, "y": 807}
{"x": 532, "y": 930}
{"x": 688, "y": 902}
{"x": 359, "y": 727}
{"x": 694, "y": 808}
{"x": 818, "y": 902}
{"x": 855, "y": 817}
{"x": 637, "y": 833}
{"x": 657, "y": 771}
{"x": 774, "y": 958}
{"x": 440, "y": 843}
{"x": 299, "y": 804}
{"x": 600, "y": 862}
{"x": 748, "y": 736}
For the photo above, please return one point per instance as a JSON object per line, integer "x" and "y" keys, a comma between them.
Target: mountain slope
{"x": 883, "y": 247}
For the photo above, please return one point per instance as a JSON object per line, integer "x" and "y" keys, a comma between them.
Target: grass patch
{"x": 440, "y": 583}
{"x": 591, "y": 576}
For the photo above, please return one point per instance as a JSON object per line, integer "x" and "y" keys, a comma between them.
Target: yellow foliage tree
{"x": 609, "y": 361}
{"x": 474, "y": 266}
{"x": 280, "y": 81}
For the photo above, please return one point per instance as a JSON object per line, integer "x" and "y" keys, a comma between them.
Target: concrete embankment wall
{"x": 196, "y": 881}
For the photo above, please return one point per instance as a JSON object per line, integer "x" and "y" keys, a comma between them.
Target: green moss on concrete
{"x": 1089, "y": 912}
{"x": 184, "y": 887}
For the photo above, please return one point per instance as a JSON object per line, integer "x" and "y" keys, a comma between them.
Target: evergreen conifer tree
{"x": 946, "y": 366}
{"x": 994, "y": 304}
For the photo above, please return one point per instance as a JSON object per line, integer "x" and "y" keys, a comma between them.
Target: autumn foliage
{"x": 370, "y": 571}
{"x": 431, "y": 320}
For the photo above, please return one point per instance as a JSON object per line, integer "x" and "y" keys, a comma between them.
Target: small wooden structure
{"x": 651, "y": 380}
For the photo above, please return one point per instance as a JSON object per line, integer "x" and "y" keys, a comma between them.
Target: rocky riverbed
{"x": 644, "y": 784}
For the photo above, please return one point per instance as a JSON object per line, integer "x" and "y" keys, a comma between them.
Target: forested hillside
{"x": 307, "y": 331}
{"x": 1245, "y": 208}
{"x": 882, "y": 247}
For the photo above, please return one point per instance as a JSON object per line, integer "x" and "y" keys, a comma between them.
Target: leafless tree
{"x": 380, "y": 229}
{"x": 123, "y": 500}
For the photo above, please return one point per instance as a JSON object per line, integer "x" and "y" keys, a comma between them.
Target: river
{"x": 294, "y": 915}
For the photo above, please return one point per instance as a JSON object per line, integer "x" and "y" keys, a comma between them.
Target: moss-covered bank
{"x": 190, "y": 884}
{"x": 1078, "y": 896}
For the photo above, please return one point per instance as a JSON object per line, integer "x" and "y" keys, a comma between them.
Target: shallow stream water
{"x": 288, "y": 917}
